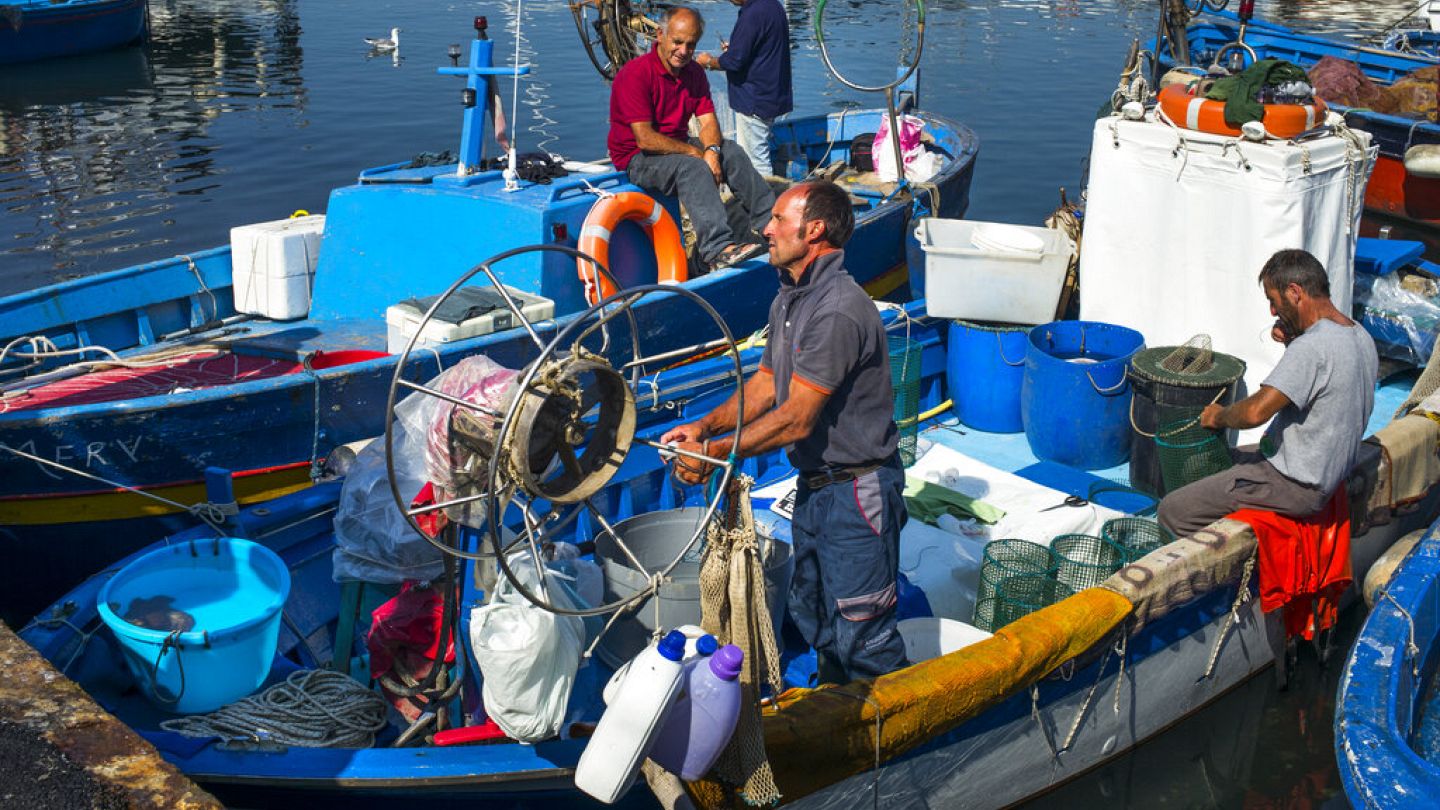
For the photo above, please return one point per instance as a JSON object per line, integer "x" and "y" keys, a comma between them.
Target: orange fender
{"x": 659, "y": 227}
{"x": 1208, "y": 115}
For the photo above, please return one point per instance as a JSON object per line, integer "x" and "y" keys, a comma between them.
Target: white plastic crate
{"x": 989, "y": 271}
{"x": 470, "y": 311}
{"x": 273, "y": 266}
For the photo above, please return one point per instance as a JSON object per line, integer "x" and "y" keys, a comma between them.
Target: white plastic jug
{"x": 704, "y": 716}
{"x": 639, "y": 708}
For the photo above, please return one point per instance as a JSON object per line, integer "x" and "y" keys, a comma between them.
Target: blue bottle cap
{"x": 672, "y": 646}
{"x": 706, "y": 644}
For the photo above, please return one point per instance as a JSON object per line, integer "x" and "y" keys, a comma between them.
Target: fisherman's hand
{"x": 692, "y": 433}
{"x": 1279, "y": 334}
{"x": 712, "y": 159}
{"x": 690, "y": 470}
{"x": 705, "y": 60}
{"x": 1210, "y": 417}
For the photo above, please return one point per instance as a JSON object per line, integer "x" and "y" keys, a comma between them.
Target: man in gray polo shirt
{"x": 823, "y": 392}
{"x": 1320, "y": 394}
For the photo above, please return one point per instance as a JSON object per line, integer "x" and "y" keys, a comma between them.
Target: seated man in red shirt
{"x": 651, "y": 103}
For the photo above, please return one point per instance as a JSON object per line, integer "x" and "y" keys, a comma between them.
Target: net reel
{"x": 555, "y": 439}
{"x": 616, "y": 31}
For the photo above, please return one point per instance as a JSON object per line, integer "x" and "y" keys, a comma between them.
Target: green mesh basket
{"x": 905, "y": 379}
{"x": 984, "y": 617}
{"x": 1023, "y": 595}
{"x": 1084, "y": 561}
{"x": 1137, "y": 536}
{"x": 1008, "y": 558}
{"x": 1189, "y": 452}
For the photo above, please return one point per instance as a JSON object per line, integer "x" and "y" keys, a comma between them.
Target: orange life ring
{"x": 648, "y": 214}
{"x": 1208, "y": 115}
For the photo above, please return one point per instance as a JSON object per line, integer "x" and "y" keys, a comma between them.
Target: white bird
{"x": 385, "y": 45}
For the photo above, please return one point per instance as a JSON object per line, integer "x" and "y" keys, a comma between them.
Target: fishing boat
{"x": 1047, "y": 697}
{"x": 31, "y": 30}
{"x": 131, "y": 383}
{"x": 1387, "y": 732}
{"x": 1408, "y": 199}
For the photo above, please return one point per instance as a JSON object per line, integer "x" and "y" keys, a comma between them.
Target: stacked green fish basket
{"x": 1172, "y": 385}
{"x": 905, "y": 379}
{"x": 1084, "y": 561}
{"x": 1189, "y": 452}
{"x": 1002, "y": 560}
{"x": 1137, "y": 536}
{"x": 1023, "y": 595}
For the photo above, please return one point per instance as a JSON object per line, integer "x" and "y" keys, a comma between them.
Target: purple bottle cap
{"x": 706, "y": 645}
{"x": 726, "y": 662}
{"x": 672, "y": 646}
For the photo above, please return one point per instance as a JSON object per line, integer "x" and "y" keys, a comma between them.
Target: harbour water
{"x": 239, "y": 112}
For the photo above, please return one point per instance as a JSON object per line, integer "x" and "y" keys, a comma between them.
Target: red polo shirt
{"x": 644, "y": 90}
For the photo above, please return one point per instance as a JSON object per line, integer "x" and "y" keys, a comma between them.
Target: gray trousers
{"x": 1253, "y": 483}
{"x": 689, "y": 179}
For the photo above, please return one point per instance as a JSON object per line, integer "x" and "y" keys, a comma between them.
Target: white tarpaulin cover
{"x": 1178, "y": 224}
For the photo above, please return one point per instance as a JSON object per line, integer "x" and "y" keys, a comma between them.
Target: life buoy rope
{"x": 1208, "y": 115}
{"x": 650, "y": 215}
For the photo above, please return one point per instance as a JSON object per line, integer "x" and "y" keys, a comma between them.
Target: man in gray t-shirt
{"x": 823, "y": 392}
{"x": 1320, "y": 396}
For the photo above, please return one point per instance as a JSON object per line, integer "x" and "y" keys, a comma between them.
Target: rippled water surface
{"x": 239, "y": 112}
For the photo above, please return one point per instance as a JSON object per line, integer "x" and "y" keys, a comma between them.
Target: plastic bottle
{"x": 639, "y": 708}
{"x": 704, "y": 716}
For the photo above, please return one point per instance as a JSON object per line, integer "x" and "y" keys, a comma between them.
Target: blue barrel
{"x": 1075, "y": 398}
{"x": 984, "y": 369}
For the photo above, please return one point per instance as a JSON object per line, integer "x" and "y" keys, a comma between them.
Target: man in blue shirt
{"x": 756, "y": 62}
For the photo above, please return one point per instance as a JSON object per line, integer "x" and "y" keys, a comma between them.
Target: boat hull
{"x": 46, "y": 32}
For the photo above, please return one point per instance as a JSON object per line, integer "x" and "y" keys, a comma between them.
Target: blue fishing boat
{"x": 1406, "y": 198}
{"x": 1387, "y": 714}
{"x": 140, "y": 379}
{"x": 31, "y": 30}
{"x": 987, "y": 725}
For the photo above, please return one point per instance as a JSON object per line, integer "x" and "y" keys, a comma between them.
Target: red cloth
{"x": 1304, "y": 563}
{"x": 644, "y": 91}
{"x": 405, "y": 635}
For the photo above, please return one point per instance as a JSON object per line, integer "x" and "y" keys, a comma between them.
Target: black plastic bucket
{"x": 1158, "y": 393}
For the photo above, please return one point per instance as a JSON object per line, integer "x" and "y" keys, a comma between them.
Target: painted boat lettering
{"x": 91, "y": 456}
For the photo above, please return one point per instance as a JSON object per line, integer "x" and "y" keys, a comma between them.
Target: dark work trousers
{"x": 689, "y": 178}
{"x": 1253, "y": 483}
{"x": 847, "y": 552}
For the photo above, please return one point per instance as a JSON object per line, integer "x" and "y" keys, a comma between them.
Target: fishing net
{"x": 1084, "y": 561}
{"x": 1023, "y": 595}
{"x": 905, "y": 379}
{"x": 1136, "y": 536}
{"x": 1193, "y": 365}
{"x": 1189, "y": 452}
{"x": 984, "y": 617}
{"x": 734, "y": 610}
{"x": 1007, "y": 558}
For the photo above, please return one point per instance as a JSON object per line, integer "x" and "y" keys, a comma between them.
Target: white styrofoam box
{"x": 988, "y": 271}
{"x": 273, "y": 266}
{"x": 469, "y": 312}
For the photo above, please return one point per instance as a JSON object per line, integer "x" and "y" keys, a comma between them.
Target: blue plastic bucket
{"x": 1075, "y": 398}
{"x": 198, "y": 622}
{"x": 984, "y": 370}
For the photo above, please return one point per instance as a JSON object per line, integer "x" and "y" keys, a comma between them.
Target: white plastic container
{"x": 990, "y": 271}
{"x": 470, "y": 311}
{"x": 705, "y": 714}
{"x": 627, "y": 729}
{"x": 273, "y": 266}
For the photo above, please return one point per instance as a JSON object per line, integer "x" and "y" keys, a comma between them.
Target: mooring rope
{"x": 1232, "y": 617}
{"x": 314, "y": 708}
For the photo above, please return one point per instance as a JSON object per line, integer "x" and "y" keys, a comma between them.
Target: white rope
{"x": 515, "y": 92}
{"x": 1039, "y": 721}
{"x": 314, "y": 708}
{"x": 1181, "y": 146}
{"x": 1233, "y": 617}
{"x": 205, "y": 288}
{"x": 213, "y": 514}
{"x": 1412, "y": 650}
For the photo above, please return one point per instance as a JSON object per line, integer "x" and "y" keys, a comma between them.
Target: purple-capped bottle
{"x": 704, "y": 717}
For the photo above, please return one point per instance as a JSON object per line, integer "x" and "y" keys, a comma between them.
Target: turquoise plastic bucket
{"x": 208, "y": 616}
{"x": 1075, "y": 398}
{"x": 984, "y": 370}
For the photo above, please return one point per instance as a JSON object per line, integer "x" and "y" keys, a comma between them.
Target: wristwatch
{"x": 714, "y": 147}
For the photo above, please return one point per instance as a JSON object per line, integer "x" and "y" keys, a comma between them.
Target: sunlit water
{"x": 240, "y": 112}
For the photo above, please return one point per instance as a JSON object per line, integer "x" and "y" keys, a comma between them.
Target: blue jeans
{"x": 689, "y": 179}
{"x": 847, "y": 553}
{"x": 752, "y": 135}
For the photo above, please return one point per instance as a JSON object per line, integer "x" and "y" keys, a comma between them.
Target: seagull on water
{"x": 383, "y": 44}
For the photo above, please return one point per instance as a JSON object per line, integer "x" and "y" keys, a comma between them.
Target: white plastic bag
{"x": 920, "y": 165}
{"x": 527, "y": 656}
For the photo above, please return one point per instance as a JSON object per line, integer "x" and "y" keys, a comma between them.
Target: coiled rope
{"x": 314, "y": 708}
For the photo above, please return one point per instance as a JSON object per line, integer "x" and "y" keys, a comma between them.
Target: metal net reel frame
{"x": 498, "y": 495}
{"x": 617, "y": 28}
